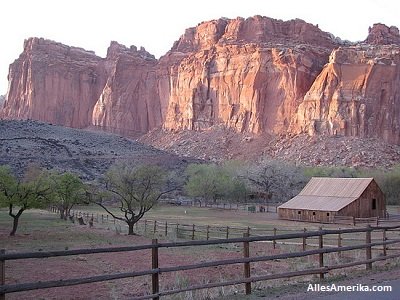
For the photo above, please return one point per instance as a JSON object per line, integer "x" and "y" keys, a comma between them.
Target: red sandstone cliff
{"x": 73, "y": 87}
{"x": 357, "y": 92}
{"x": 253, "y": 75}
{"x": 248, "y": 74}
{"x": 129, "y": 102}
{"x": 54, "y": 83}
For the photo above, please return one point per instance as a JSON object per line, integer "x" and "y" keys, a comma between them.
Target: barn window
{"x": 327, "y": 214}
{"x": 313, "y": 213}
{"x": 373, "y": 203}
{"x": 299, "y": 212}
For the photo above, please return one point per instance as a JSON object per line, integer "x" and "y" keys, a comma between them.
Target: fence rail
{"x": 157, "y": 228}
{"x": 349, "y": 220}
{"x": 322, "y": 269}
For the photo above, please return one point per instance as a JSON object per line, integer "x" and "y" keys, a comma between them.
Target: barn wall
{"x": 306, "y": 215}
{"x": 362, "y": 207}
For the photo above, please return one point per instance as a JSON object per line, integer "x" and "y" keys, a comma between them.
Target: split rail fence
{"x": 174, "y": 230}
{"x": 322, "y": 267}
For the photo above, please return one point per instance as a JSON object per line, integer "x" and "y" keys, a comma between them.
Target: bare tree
{"x": 136, "y": 190}
{"x": 274, "y": 179}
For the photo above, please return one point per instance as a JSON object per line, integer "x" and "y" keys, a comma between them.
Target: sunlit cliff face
{"x": 252, "y": 75}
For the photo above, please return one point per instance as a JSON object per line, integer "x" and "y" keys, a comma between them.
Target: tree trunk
{"x": 69, "y": 211}
{"x": 15, "y": 220}
{"x": 130, "y": 228}
{"x": 61, "y": 211}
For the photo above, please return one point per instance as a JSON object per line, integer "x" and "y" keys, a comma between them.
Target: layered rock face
{"x": 54, "y": 83}
{"x": 73, "y": 87}
{"x": 248, "y": 74}
{"x": 357, "y": 92}
{"x": 252, "y": 75}
{"x": 129, "y": 102}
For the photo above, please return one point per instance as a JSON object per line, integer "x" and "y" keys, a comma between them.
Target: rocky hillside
{"x": 83, "y": 152}
{"x": 221, "y": 144}
{"x": 254, "y": 76}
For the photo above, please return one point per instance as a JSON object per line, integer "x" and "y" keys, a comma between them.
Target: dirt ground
{"x": 41, "y": 231}
{"x": 60, "y": 235}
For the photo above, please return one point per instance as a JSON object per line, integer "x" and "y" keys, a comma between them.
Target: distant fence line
{"x": 250, "y": 207}
{"x": 321, "y": 267}
{"x": 174, "y": 230}
{"x": 349, "y": 220}
{"x": 168, "y": 228}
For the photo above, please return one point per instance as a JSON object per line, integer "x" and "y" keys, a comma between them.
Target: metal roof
{"x": 328, "y": 194}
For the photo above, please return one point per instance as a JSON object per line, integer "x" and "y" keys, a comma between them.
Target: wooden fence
{"x": 349, "y": 220}
{"x": 322, "y": 267}
{"x": 251, "y": 207}
{"x": 173, "y": 230}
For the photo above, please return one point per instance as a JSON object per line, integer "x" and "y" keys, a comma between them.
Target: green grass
{"x": 40, "y": 230}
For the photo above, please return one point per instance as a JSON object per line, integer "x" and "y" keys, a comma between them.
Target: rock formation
{"x": 129, "y": 102}
{"x": 357, "y": 92}
{"x": 380, "y": 34}
{"x": 248, "y": 74}
{"x": 255, "y": 75}
{"x": 54, "y": 83}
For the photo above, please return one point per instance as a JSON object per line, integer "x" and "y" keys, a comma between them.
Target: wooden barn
{"x": 324, "y": 198}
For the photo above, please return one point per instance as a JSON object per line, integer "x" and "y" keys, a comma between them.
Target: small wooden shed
{"x": 324, "y": 198}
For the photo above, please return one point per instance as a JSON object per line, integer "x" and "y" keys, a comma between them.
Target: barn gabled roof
{"x": 328, "y": 194}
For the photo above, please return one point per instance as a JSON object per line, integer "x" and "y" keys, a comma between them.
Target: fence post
{"x": 177, "y": 229}
{"x": 227, "y": 232}
{"x": 154, "y": 265}
{"x": 208, "y": 232}
{"x": 2, "y": 273}
{"x": 368, "y": 251}
{"x": 339, "y": 243}
{"x": 384, "y": 240}
{"x": 155, "y": 226}
{"x": 246, "y": 254}
{"x": 166, "y": 228}
{"x": 321, "y": 255}
{"x": 102, "y": 219}
{"x": 274, "y": 241}
{"x": 248, "y": 230}
{"x": 193, "y": 232}
{"x": 304, "y": 240}
{"x": 145, "y": 226}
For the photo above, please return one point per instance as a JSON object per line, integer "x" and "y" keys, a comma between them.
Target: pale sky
{"x": 156, "y": 24}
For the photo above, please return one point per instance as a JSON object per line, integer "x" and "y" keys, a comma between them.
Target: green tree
{"x": 389, "y": 182}
{"x": 136, "y": 190}
{"x": 68, "y": 190}
{"x": 212, "y": 182}
{"x": 32, "y": 191}
{"x": 341, "y": 172}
